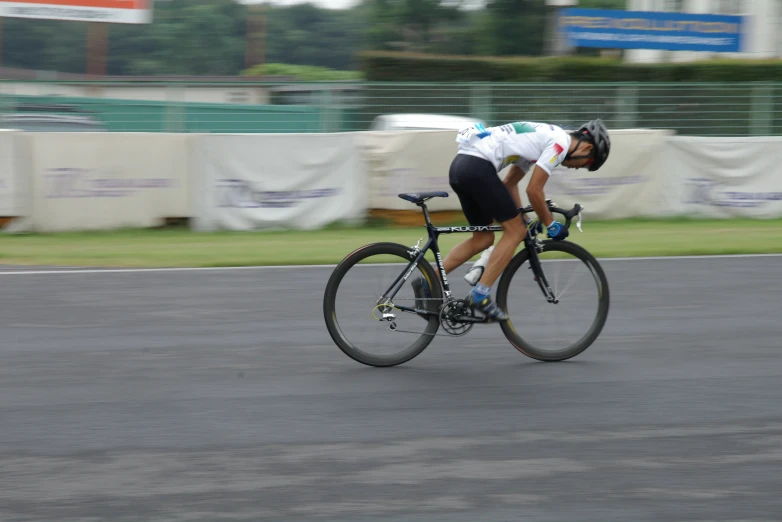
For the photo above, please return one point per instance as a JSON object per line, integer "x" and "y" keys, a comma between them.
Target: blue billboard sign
{"x": 652, "y": 30}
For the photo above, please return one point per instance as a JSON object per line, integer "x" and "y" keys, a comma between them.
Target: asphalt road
{"x": 219, "y": 396}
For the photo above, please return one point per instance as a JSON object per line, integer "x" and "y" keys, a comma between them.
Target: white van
{"x": 50, "y": 123}
{"x": 399, "y": 122}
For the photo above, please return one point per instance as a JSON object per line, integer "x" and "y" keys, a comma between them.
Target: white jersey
{"x": 524, "y": 143}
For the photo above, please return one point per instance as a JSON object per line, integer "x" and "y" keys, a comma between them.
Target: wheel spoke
{"x": 560, "y": 295}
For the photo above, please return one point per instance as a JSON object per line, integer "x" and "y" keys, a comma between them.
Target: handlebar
{"x": 568, "y": 214}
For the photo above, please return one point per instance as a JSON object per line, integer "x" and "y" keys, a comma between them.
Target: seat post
{"x": 426, "y": 214}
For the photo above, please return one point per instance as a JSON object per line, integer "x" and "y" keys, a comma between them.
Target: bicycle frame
{"x": 431, "y": 243}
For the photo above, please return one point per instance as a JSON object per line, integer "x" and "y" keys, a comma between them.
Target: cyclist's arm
{"x": 511, "y": 181}
{"x": 537, "y": 198}
{"x": 551, "y": 157}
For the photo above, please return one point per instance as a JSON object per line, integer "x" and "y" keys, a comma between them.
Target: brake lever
{"x": 578, "y": 223}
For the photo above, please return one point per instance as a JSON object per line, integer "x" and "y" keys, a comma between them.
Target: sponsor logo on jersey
{"x": 482, "y": 132}
{"x": 557, "y": 151}
{"x": 508, "y": 160}
{"x": 522, "y": 127}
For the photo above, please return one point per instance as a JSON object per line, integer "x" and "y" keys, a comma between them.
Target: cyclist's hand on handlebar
{"x": 557, "y": 231}
{"x": 534, "y": 227}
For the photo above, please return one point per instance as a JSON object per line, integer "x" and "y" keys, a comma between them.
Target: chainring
{"x": 448, "y": 317}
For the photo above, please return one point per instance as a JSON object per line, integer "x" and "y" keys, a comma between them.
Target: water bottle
{"x": 475, "y": 272}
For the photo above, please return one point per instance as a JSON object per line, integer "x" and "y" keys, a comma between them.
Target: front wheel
{"x": 367, "y": 324}
{"x": 547, "y": 331}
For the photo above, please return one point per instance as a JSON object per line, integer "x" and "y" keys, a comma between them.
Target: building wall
{"x": 762, "y": 38}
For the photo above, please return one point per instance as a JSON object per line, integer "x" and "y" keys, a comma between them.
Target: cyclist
{"x": 484, "y": 198}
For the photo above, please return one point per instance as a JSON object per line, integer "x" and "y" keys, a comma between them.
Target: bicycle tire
{"x": 330, "y": 315}
{"x": 602, "y": 312}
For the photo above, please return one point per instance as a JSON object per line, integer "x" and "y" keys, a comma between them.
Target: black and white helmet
{"x": 596, "y": 132}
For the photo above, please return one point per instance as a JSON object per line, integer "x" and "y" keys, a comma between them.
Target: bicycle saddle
{"x": 422, "y": 196}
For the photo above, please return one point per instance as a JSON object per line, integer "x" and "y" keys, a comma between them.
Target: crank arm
{"x": 470, "y": 319}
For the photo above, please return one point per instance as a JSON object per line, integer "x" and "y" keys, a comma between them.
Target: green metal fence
{"x": 689, "y": 109}
{"x": 156, "y": 116}
{"x": 705, "y": 109}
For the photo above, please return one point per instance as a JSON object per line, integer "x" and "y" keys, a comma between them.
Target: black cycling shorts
{"x": 483, "y": 196}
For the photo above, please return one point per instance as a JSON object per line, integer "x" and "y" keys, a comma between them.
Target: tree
{"x": 515, "y": 27}
{"x": 411, "y": 25}
{"x": 209, "y": 37}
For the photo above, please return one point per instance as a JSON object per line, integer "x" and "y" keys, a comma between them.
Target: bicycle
{"x": 453, "y": 315}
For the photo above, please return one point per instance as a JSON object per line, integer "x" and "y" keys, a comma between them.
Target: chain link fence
{"x": 703, "y": 109}
{"x": 689, "y": 109}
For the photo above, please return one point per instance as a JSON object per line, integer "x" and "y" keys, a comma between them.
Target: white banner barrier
{"x": 724, "y": 177}
{"x": 409, "y": 161}
{"x": 89, "y": 181}
{"x": 303, "y": 181}
{"x": 84, "y": 181}
{"x": 629, "y": 184}
{"x": 9, "y": 204}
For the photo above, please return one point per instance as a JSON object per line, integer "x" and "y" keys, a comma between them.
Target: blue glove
{"x": 556, "y": 231}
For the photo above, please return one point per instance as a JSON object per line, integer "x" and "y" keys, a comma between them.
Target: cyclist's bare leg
{"x": 458, "y": 255}
{"x": 462, "y": 252}
{"x": 513, "y": 234}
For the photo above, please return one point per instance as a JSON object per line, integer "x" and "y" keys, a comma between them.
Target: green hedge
{"x": 306, "y": 73}
{"x": 410, "y": 67}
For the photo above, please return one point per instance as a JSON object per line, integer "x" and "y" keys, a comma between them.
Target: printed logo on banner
{"x": 89, "y": 183}
{"x": 239, "y": 193}
{"x": 578, "y": 186}
{"x": 617, "y": 28}
{"x": 703, "y": 191}
{"x": 406, "y": 179}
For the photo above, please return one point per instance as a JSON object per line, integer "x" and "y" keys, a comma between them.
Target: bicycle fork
{"x": 537, "y": 270}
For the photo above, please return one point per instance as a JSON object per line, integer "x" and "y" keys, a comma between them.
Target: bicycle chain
{"x": 415, "y": 299}
{"x": 420, "y": 298}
